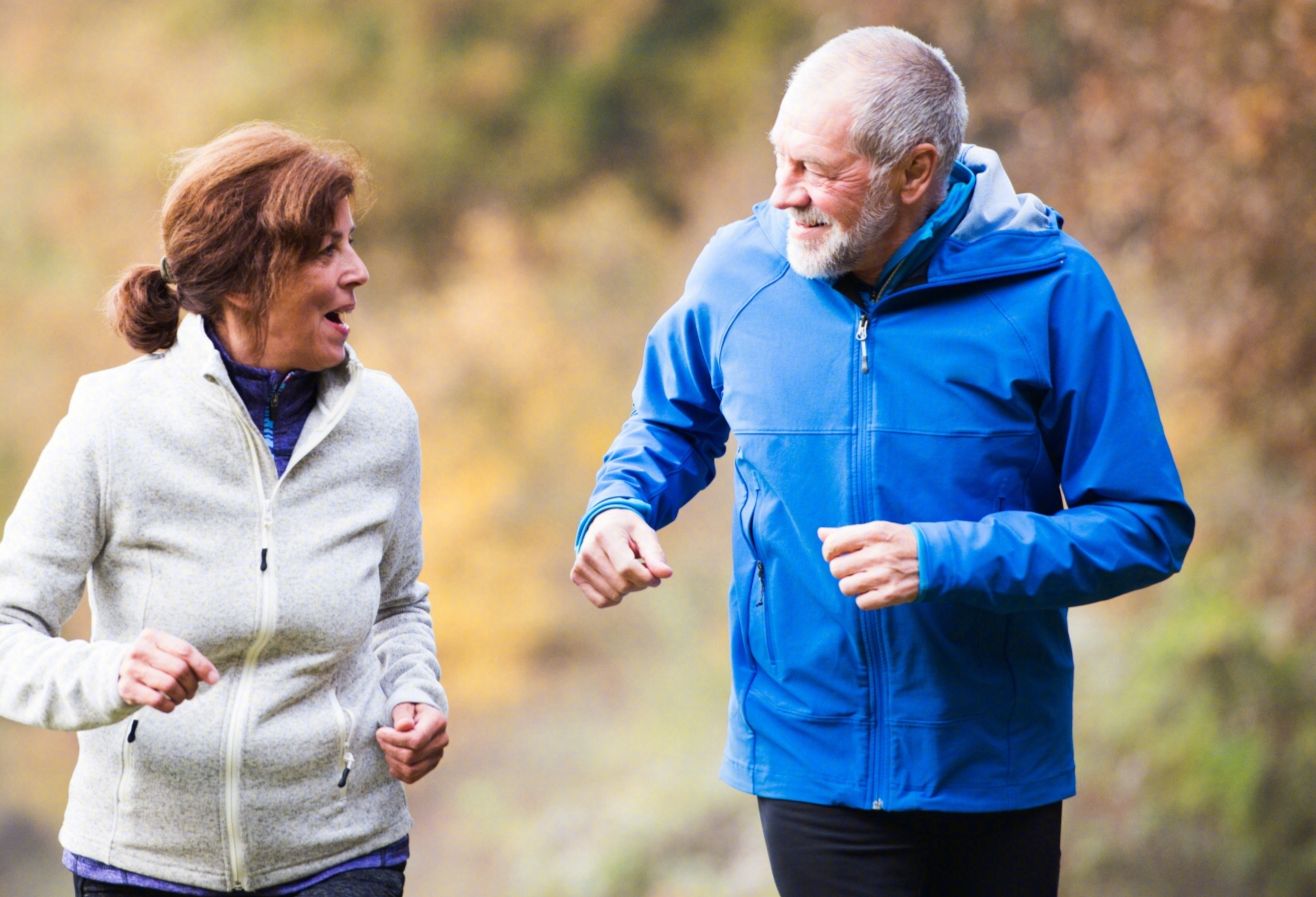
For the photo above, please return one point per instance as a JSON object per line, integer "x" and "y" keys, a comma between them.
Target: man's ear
{"x": 914, "y": 177}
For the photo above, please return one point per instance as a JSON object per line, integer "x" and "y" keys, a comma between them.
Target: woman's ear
{"x": 239, "y": 302}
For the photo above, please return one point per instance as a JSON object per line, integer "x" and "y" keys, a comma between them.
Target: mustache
{"x": 809, "y": 216}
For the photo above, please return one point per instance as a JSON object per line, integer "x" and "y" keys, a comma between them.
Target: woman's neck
{"x": 238, "y": 339}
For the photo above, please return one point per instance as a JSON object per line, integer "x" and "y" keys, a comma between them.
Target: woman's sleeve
{"x": 55, "y": 532}
{"x": 403, "y": 637}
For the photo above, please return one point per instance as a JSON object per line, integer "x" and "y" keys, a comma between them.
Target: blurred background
{"x": 545, "y": 172}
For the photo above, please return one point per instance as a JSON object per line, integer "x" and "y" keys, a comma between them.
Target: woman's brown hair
{"x": 244, "y": 212}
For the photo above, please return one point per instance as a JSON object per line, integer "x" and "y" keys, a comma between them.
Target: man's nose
{"x": 789, "y": 192}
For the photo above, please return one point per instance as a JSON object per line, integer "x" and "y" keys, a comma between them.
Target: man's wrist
{"x": 640, "y": 507}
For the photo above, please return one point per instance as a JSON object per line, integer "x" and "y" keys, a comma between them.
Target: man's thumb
{"x": 651, "y": 552}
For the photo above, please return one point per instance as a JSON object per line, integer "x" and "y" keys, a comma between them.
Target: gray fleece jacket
{"x": 158, "y": 493}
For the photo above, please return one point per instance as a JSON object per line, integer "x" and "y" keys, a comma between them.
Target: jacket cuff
{"x": 109, "y": 705}
{"x": 643, "y": 508}
{"x": 433, "y": 694}
{"x": 930, "y": 576}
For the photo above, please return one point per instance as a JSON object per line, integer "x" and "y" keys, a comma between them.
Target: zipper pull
{"x": 763, "y": 585}
{"x": 266, "y": 522}
{"x": 132, "y": 732}
{"x": 862, "y": 335}
{"x": 348, "y": 759}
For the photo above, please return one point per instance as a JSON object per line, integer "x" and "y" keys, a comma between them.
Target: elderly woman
{"x": 242, "y": 506}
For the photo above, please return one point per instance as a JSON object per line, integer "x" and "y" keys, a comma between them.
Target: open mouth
{"x": 336, "y": 318}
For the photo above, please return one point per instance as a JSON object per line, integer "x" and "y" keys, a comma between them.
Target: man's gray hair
{"x": 905, "y": 93}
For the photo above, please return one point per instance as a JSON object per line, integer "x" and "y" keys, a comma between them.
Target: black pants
{"x": 820, "y": 851}
{"x": 354, "y": 883}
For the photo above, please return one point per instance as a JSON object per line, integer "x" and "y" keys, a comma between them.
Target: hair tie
{"x": 165, "y": 272}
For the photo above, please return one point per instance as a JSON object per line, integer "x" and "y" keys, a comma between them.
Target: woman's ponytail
{"x": 144, "y": 308}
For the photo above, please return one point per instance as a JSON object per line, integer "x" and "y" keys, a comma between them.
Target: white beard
{"x": 841, "y": 250}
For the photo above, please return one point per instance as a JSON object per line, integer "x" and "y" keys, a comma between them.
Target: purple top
{"x": 278, "y": 403}
{"x": 394, "y": 854}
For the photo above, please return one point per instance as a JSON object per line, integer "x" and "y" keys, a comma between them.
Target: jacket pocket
{"x": 126, "y": 792}
{"x": 345, "y": 724}
{"x": 762, "y": 640}
{"x": 760, "y": 612}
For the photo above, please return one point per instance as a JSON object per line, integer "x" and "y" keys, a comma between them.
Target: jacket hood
{"x": 995, "y": 205}
{"x": 1001, "y": 232}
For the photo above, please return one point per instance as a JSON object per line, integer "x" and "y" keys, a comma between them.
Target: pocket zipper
{"x": 344, "y": 719}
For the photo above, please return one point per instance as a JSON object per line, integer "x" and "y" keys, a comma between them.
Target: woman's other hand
{"x": 414, "y": 744}
{"x": 162, "y": 671}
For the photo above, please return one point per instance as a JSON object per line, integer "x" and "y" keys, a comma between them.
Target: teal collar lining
{"x": 918, "y": 248}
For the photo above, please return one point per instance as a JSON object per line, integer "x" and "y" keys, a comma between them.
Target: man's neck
{"x": 908, "y": 220}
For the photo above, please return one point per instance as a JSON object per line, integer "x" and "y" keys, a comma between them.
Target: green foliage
{"x": 1217, "y": 713}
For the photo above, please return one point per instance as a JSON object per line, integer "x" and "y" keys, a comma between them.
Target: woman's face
{"x": 307, "y": 326}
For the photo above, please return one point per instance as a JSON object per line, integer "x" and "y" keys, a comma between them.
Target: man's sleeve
{"x": 665, "y": 451}
{"x": 1126, "y": 524}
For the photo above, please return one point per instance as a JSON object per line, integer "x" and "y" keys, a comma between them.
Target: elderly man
{"x": 946, "y": 438}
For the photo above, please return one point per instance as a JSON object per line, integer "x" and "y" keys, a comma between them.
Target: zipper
{"x": 267, "y": 600}
{"x": 345, "y": 723}
{"x": 869, "y": 638}
{"x": 769, "y": 640}
{"x": 127, "y": 765}
{"x": 760, "y": 573}
{"x": 861, "y": 334}
{"x": 746, "y": 520}
{"x": 868, "y": 311}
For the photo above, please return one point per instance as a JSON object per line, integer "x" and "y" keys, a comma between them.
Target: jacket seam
{"x": 1037, "y": 367}
{"x": 792, "y": 431}
{"x": 106, "y": 467}
{"x": 782, "y": 776}
{"x": 735, "y": 315}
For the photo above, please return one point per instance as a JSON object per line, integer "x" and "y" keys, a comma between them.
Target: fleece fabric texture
{"x": 157, "y": 492}
{"x": 995, "y": 402}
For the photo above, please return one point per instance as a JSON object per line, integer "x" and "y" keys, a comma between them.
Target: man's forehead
{"x": 820, "y": 118}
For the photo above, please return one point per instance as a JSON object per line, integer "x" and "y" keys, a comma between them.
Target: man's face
{"x": 838, "y": 209}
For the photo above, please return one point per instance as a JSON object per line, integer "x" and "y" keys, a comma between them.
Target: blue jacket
{"x": 997, "y": 402}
